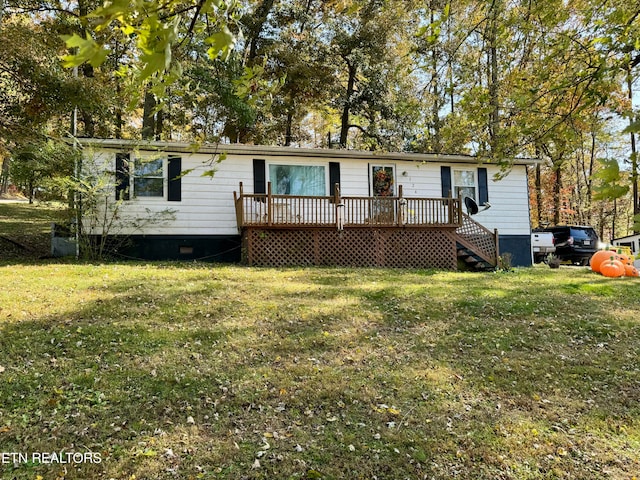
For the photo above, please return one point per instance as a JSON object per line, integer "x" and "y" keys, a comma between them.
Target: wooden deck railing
{"x": 482, "y": 241}
{"x": 291, "y": 211}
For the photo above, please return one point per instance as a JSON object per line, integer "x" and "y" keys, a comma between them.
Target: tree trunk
{"x": 4, "y": 175}
{"x": 148, "y": 116}
{"x": 255, "y": 28}
{"x": 86, "y": 71}
{"x": 159, "y": 124}
{"x": 634, "y": 153}
{"x": 452, "y": 83}
{"x": 289, "y": 126}
{"x": 119, "y": 122}
{"x": 539, "y": 194}
{"x": 589, "y": 177}
{"x": 557, "y": 190}
{"x": 344, "y": 122}
{"x": 436, "y": 142}
{"x": 614, "y": 218}
{"x": 89, "y": 124}
{"x": 492, "y": 39}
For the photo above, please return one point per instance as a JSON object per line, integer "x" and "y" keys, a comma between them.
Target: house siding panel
{"x": 207, "y": 208}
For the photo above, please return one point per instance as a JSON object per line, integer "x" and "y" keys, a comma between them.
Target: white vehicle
{"x": 542, "y": 244}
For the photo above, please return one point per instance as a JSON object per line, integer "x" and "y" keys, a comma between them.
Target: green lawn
{"x": 208, "y": 371}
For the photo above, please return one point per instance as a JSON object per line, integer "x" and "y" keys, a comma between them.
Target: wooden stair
{"x": 472, "y": 260}
{"x": 476, "y": 245}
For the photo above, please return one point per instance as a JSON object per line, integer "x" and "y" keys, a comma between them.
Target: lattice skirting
{"x": 402, "y": 248}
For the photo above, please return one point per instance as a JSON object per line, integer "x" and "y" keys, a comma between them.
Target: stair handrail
{"x": 470, "y": 230}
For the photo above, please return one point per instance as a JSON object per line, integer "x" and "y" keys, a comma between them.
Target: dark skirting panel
{"x": 519, "y": 246}
{"x": 214, "y": 248}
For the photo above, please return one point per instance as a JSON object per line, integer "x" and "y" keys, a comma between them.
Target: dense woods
{"x": 493, "y": 78}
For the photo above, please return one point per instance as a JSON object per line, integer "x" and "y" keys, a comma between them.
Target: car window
{"x": 582, "y": 234}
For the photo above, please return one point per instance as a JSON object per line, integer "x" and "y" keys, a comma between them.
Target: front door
{"x": 382, "y": 184}
{"x": 382, "y": 180}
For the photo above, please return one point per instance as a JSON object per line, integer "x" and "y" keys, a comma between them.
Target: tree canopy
{"x": 494, "y": 78}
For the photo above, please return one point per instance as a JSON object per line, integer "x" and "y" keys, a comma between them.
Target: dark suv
{"x": 574, "y": 243}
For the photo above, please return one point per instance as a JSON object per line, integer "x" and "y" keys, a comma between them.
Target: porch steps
{"x": 473, "y": 260}
{"x": 475, "y": 245}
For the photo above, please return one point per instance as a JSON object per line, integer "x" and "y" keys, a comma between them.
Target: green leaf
{"x": 609, "y": 181}
{"x": 209, "y": 173}
{"x": 154, "y": 63}
{"x": 634, "y": 127}
{"x": 221, "y": 43}
{"x": 87, "y": 51}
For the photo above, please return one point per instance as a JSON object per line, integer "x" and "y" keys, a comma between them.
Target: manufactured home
{"x": 631, "y": 241}
{"x": 299, "y": 206}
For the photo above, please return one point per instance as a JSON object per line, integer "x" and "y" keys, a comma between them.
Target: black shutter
{"x": 483, "y": 186}
{"x": 334, "y": 177}
{"x": 445, "y": 178}
{"x": 174, "y": 172}
{"x": 259, "y": 176}
{"x": 122, "y": 176}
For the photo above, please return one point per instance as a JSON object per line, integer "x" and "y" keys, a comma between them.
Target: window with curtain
{"x": 305, "y": 180}
{"x": 464, "y": 183}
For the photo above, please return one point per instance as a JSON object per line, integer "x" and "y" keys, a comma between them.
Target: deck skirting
{"x": 358, "y": 247}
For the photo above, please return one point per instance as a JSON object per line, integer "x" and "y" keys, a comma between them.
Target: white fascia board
{"x": 241, "y": 149}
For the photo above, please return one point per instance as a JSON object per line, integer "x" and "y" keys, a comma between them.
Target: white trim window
{"x": 301, "y": 180}
{"x": 464, "y": 184}
{"x": 148, "y": 177}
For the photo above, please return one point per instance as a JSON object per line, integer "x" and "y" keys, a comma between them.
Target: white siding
{"x": 207, "y": 203}
{"x": 509, "y": 199}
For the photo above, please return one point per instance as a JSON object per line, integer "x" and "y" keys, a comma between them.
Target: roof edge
{"x": 244, "y": 149}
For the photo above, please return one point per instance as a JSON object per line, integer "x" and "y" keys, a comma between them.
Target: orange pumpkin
{"x": 612, "y": 268}
{"x": 631, "y": 271}
{"x": 599, "y": 257}
{"x": 624, "y": 259}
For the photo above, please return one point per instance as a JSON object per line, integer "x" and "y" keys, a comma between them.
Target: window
{"x": 464, "y": 184}
{"x": 148, "y": 177}
{"x": 306, "y": 180}
{"x": 382, "y": 180}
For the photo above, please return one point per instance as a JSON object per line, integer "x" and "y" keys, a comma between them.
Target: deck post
{"x": 497, "y": 240}
{"x": 339, "y": 208}
{"x": 401, "y": 208}
{"x": 239, "y": 203}
{"x": 269, "y": 205}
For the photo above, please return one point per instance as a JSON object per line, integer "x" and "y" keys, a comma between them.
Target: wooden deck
{"x": 281, "y": 230}
{"x": 290, "y": 211}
